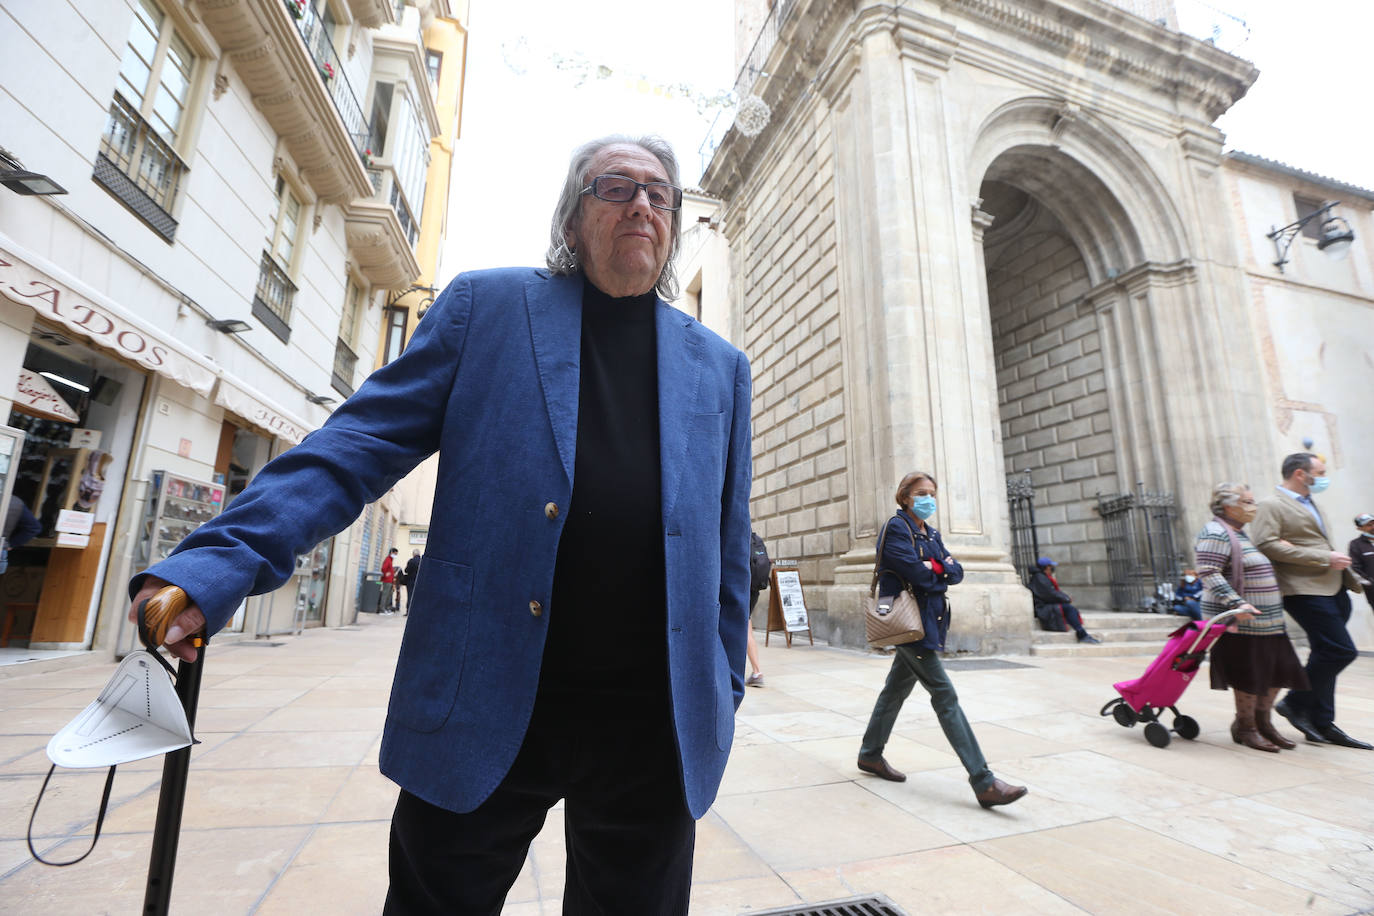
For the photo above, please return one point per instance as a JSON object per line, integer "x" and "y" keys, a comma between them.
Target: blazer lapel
{"x": 555, "y": 310}
{"x": 681, "y": 351}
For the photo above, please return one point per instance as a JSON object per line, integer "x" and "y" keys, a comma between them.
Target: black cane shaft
{"x": 171, "y": 800}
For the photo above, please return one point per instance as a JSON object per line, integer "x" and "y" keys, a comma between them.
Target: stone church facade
{"x": 977, "y": 237}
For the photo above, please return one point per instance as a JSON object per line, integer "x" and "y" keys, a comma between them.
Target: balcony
{"x": 272, "y": 300}
{"x": 345, "y": 363}
{"x": 382, "y": 231}
{"x": 320, "y": 44}
{"x": 318, "y": 119}
{"x": 139, "y": 168}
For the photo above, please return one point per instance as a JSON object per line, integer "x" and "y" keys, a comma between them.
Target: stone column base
{"x": 991, "y": 609}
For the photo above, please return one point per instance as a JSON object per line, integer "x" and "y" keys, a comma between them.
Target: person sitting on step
{"x": 1053, "y": 608}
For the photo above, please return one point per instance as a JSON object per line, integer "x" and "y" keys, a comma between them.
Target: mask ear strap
{"x": 99, "y": 821}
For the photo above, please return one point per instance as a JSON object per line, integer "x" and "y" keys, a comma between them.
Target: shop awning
{"x": 33, "y": 395}
{"x": 234, "y": 395}
{"x": 29, "y": 280}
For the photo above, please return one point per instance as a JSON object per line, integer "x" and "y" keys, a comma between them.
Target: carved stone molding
{"x": 372, "y": 14}
{"x": 266, "y": 50}
{"x": 379, "y": 247}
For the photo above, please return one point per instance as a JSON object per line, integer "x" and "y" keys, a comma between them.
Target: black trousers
{"x": 1324, "y": 619}
{"x": 629, "y": 836}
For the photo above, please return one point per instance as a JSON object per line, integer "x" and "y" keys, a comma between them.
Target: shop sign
{"x": 101, "y": 323}
{"x": 36, "y": 395}
{"x": 84, "y": 438}
{"x": 256, "y": 411}
{"x": 71, "y": 521}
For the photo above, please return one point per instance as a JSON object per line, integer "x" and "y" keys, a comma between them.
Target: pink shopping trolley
{"x": 1148, "y": 696}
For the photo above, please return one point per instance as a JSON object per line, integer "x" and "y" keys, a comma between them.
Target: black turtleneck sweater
{"x": 608, "y": 619}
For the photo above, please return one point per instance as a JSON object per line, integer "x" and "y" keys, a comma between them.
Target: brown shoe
{"x": 1000, "y": 793}
{"x": 1265, "y": 726}
{"x": 879, "y": 767}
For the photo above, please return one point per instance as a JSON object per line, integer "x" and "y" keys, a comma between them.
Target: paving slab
{"x": 287, "y": 812}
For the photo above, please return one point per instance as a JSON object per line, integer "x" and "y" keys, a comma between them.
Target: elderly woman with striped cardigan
{"x": 1255, "y": 657}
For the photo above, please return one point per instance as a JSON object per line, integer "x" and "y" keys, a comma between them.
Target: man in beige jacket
{"x": 1291, "y": 531}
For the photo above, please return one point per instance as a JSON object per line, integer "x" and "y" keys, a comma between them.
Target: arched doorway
{"x": 1073, "y": 295}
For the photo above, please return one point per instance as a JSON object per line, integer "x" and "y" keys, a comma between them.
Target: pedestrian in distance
{"x": 760, "y": 567}
{"x": 914, "y": 557}
{"x": 389, "y": 571}
{"x": 1053, "y": 607}
{"x": 1188, "y": 595}
{"x": 1313, "y": 576}
{"x": 409, "y": 576}
{"x": 1361, "y": 551}
{"x": 539, "y": 665}
{"x": 20, "y": 527}
{"x": 1254, "y": 657}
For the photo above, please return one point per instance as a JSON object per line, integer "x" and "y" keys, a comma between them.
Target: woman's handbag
{"x": 891, "y": 620}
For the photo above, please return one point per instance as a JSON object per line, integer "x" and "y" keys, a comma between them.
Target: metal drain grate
{"x": 982, "y": 664}
{"x": 871, "y": 905}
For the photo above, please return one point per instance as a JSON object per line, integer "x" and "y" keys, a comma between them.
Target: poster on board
{"x": 793, "y": 606}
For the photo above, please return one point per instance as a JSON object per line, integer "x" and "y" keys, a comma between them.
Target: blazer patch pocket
{"x": 430, "y": 666}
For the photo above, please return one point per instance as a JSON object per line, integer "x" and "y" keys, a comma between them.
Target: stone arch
{"x": 1074, "y": 227}
{"x": 1076, "y": 158}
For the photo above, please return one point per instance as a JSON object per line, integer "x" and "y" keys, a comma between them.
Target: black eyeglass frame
{"x": 639, "y": 186}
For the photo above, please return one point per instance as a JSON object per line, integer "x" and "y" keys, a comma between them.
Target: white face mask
{"x": 137, "y": 715}
{"x": 1190, "y": 579}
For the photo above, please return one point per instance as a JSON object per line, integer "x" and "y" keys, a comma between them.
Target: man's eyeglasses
{"x": 618, "y": 189}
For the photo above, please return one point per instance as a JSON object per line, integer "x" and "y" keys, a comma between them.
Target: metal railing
{"x": 319, "y": 42}
{"x": 409, "y": 224}
{"x": 345, "y": 362}
{"x": 275, "y": 293}
{"x": 139, "y": 166}
{"x": 763, "y": 46}
{"x": 1142, "y": 553}
{"x": 1025, "y": 539}
{"x": 386, "y": 188}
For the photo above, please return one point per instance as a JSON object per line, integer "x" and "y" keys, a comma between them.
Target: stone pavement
{"x": 287, "y": 814}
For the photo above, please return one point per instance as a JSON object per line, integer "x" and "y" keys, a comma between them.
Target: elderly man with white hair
{"x": 577, "y": 631}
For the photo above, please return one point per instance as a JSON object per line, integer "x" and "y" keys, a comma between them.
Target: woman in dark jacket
{"x": 914, "y": 554}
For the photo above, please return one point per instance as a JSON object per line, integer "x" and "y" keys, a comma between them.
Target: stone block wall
{"x": 790, "y": 301}
{"x": 1052, "y": 397}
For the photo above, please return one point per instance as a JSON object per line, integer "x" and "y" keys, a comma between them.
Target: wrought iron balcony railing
{"x": 139, "y": 168}
{"x": 272, "y": 302}
{"x": 320, "y": 43}
{"x": 388, "y": 190}
{"x": 345, "y": 362}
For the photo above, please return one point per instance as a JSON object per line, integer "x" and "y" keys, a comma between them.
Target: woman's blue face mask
{"x": 923, "y": 506}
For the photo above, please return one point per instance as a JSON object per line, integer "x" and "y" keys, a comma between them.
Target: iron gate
{"x": 1142, "y": 553}
{"x": 1025, "y": 540}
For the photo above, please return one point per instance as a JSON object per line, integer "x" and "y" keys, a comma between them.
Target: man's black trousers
{"x": 611, "y": 755}
{"x": 1323, "y": 618}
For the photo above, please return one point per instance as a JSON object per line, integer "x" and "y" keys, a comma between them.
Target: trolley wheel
{"x": 1157, "y": 734}
{"x": 1186, "y": 727}
{"x": 1124, "y": 716}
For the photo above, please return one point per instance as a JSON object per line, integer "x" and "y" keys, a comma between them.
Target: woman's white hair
{"x": 560, "y": 257}
{"x": 1227, "y": 494}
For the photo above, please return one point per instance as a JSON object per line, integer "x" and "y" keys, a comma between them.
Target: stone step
{"x": 1106, "y": 650}
{"x": 1106, "y": 620}
{"x": 1158, "y": 636}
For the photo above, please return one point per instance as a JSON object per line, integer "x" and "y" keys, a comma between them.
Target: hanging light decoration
{"x": 752, "y": 115}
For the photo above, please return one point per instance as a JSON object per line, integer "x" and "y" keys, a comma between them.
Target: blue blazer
{"x": 490, "y": 381}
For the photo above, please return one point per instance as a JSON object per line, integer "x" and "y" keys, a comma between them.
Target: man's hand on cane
{"x": 186, "y": 624}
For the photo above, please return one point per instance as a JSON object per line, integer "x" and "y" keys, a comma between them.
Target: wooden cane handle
{"x": 157, "y": 613}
